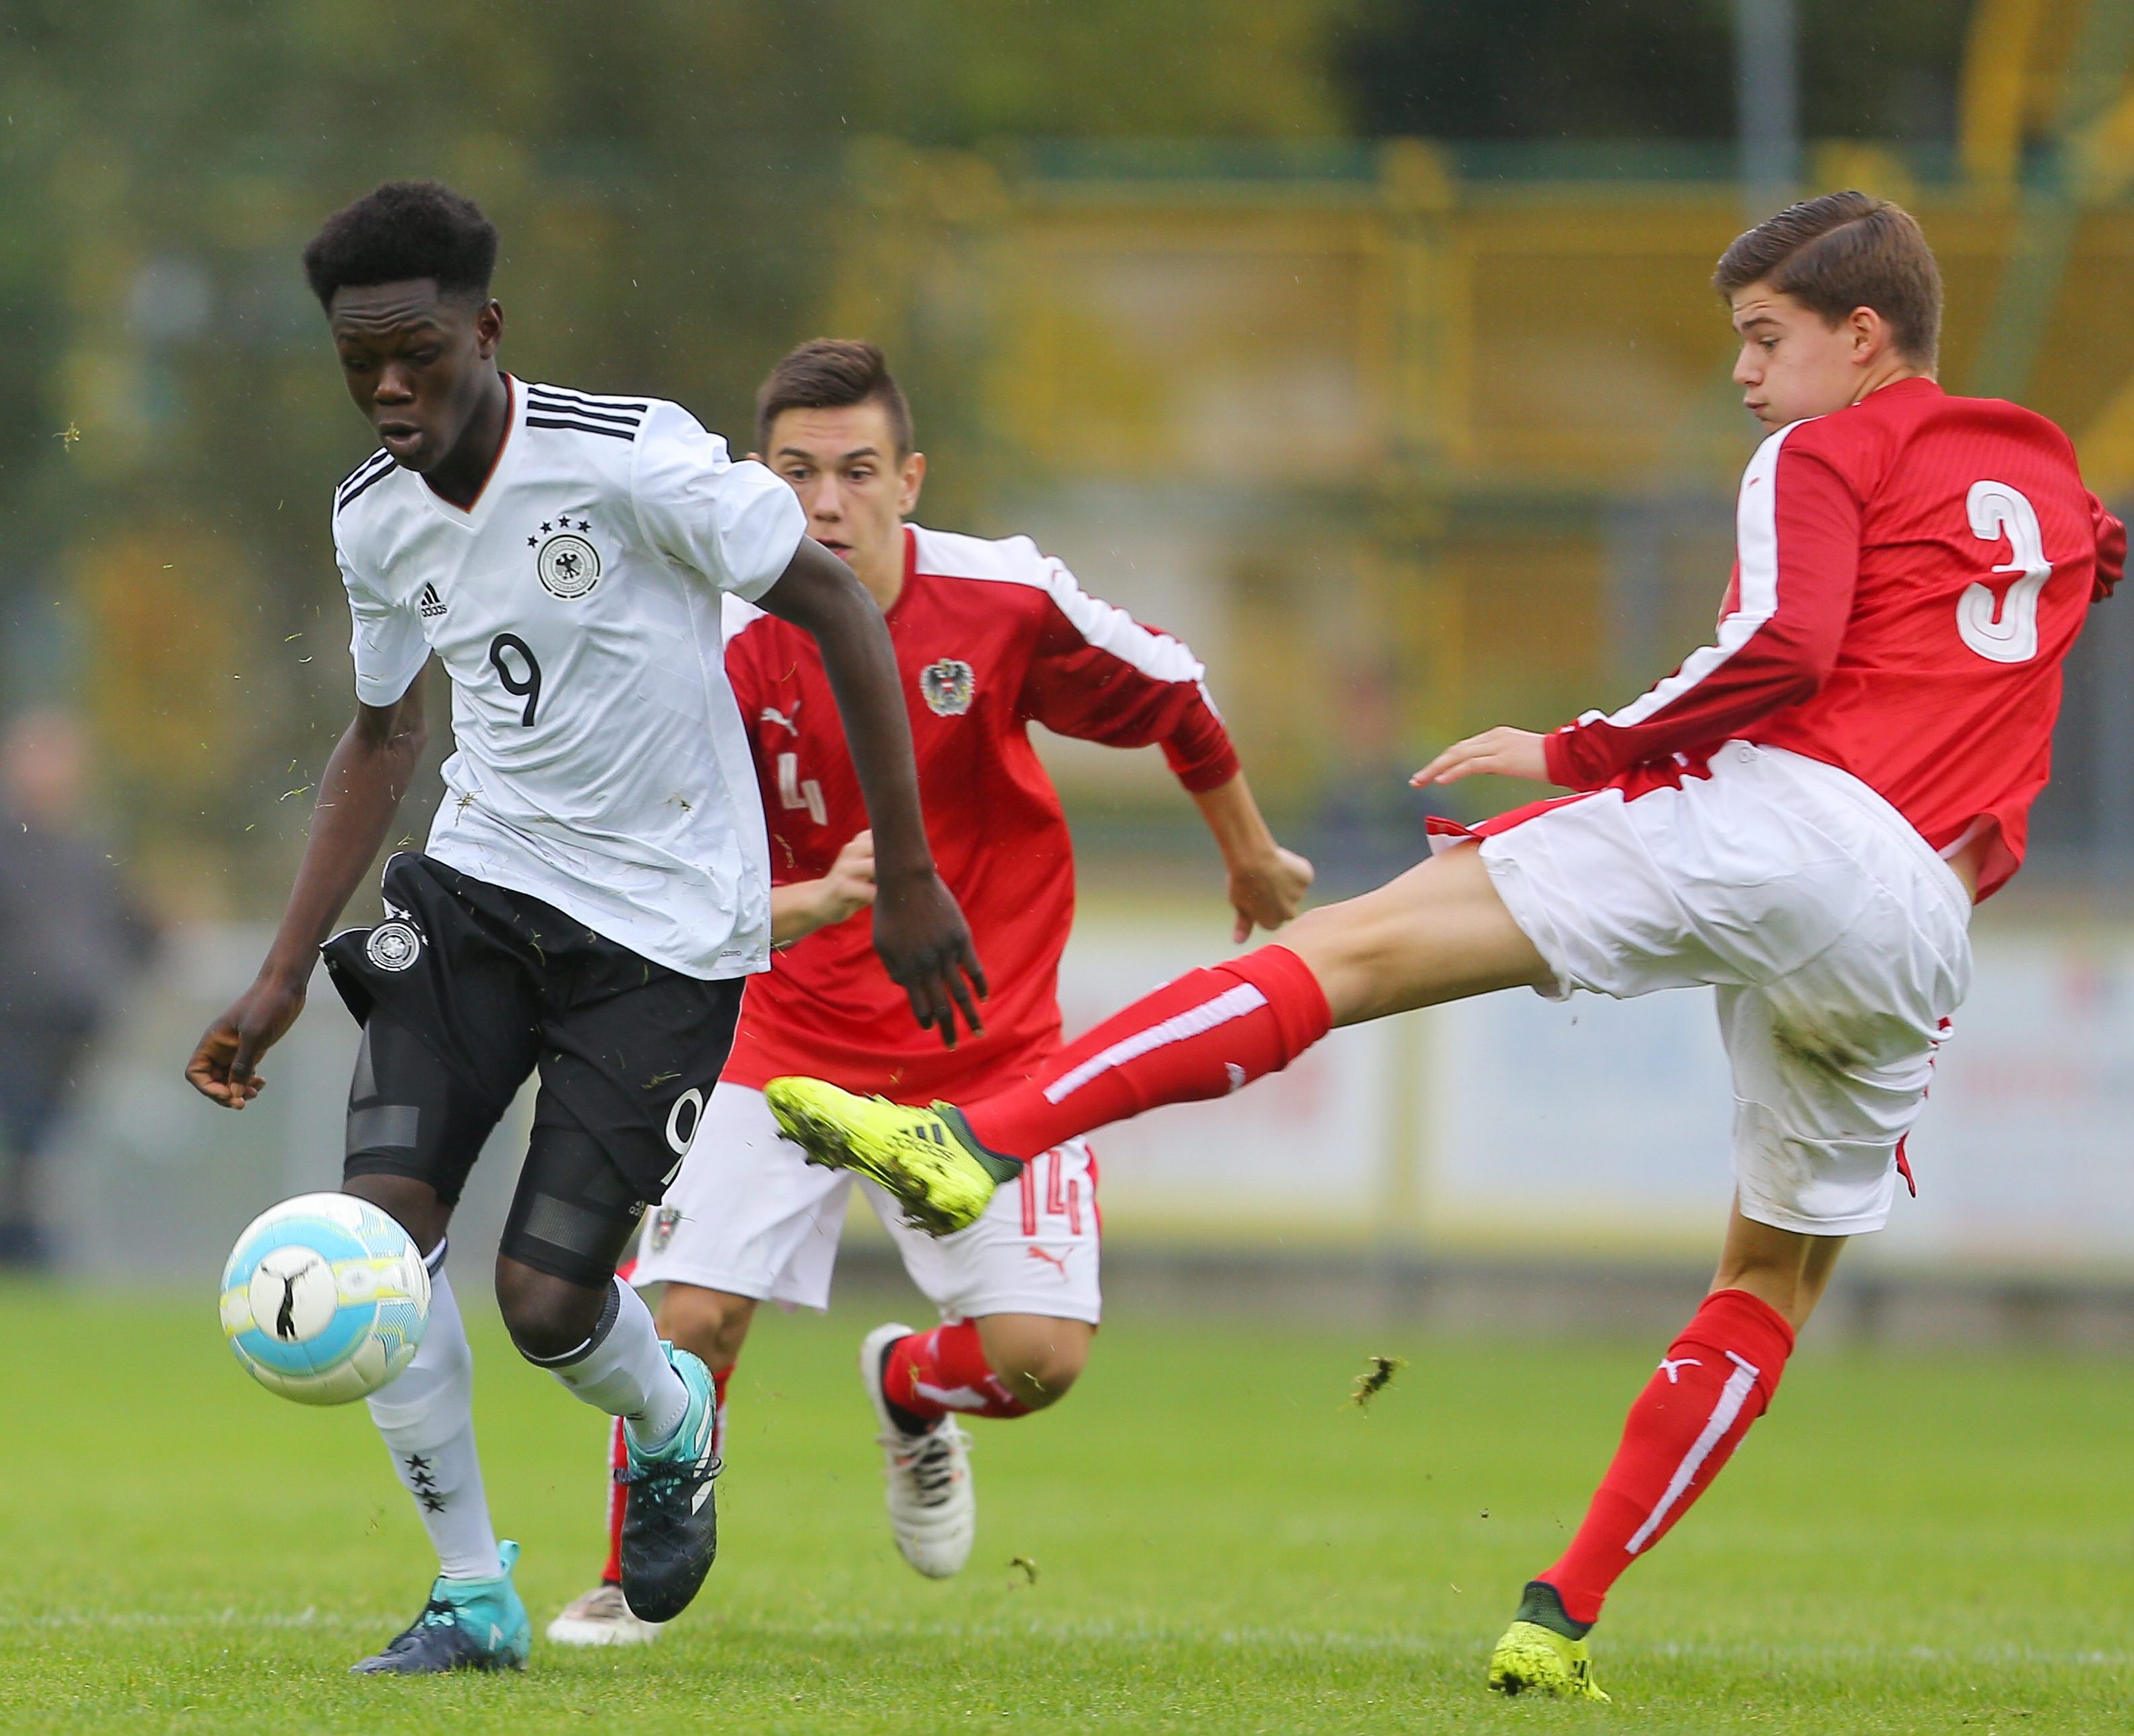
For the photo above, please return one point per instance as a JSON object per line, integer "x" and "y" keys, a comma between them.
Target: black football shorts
{"x": 467, "y": 988}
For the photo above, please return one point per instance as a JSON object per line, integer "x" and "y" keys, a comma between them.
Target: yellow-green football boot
{"x": 1533, "y": 1658}
{"x": 927, "y": 1158}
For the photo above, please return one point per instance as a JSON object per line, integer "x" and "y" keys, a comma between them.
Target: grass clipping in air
{"x": 1375, "y": 1379}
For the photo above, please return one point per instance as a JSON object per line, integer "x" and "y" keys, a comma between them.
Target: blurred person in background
{"x": 71, "y": 939}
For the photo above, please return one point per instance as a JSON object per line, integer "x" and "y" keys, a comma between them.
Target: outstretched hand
{"x": 925, "y": 947}
{"x": 224, "y": 1064}
{"x": 1499, "y": 753}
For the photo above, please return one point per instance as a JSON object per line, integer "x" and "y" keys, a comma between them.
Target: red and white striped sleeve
{"x": 1099, "y": 675}
{"x": 1797, "y": 541}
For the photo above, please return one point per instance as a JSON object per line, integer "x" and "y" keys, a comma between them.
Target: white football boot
{"x": 933, "y": 1508}
{"x": 603, "y": 1618}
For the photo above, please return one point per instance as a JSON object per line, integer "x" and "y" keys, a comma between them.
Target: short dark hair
{"x": 404, "y": 229}
{"x": 1843, "y": 251}
{"x": 831, "y": 373}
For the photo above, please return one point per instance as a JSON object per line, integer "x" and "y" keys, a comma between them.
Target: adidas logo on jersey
{"x": 432, "y": 604}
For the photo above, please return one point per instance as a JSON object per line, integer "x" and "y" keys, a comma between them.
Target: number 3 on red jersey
{"x": 2010, "y": 634}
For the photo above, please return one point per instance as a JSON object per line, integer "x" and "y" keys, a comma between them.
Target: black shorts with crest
{"x": 465, "y": 991}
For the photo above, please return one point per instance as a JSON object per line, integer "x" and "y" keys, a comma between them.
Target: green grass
{"x": 1907, "y": 1544}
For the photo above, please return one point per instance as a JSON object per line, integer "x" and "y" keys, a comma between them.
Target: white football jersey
{"x": 600, "y": 763}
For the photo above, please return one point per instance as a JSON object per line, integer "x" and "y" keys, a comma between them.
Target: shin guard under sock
{"x": 1203, "y": 1035}
{"x": 427, "y": 1416}
{"x": 1714, "y": 1381}
{"x": 623, "y": 1370}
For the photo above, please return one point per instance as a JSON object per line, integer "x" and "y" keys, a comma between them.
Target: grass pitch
{"x": 1221, "y": 1541}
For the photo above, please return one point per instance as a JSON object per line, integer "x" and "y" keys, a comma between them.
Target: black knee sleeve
{"x": 573, "y": 1214}
{"x": 409, "y": 1114}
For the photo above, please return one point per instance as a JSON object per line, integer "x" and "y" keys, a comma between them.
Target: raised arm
{"x": 1099, "y": 675}
{"x": 920, "y": 934}
{"x": 368, "y": 772}
{"x": 1797, "y": 536}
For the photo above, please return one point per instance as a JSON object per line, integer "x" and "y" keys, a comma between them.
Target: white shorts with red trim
{"x": 749, "y": 1215}
{"x": 1838, "y": 942}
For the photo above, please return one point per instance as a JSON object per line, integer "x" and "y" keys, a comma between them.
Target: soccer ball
{"x": 325, "y": 1298}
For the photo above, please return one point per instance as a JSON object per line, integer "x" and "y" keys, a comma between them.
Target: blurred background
{"x": 1366, "y": 344}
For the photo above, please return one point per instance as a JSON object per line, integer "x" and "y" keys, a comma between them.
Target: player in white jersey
{"x": 596, "y": 887}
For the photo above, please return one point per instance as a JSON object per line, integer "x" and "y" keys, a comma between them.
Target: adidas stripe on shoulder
{"x": 553, "y": 406}
{"x": 591, "y": 399}
{"x": 371, "y": 471}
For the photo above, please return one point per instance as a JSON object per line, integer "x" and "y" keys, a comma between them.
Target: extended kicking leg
{"x": 1438, "y": 932}
{"x": 1716, "y": 1378}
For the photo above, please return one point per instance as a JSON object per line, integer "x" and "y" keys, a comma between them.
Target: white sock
{"x": 622, "y": 1370}
{"x": 425, "y": 1413}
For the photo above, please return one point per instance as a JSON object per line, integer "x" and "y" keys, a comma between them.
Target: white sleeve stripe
{"x": 1108, "y": 627}
{"x": 1756, "y": 546}
{"x": 1102, "y": 625}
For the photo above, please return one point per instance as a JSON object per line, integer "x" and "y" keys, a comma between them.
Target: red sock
{"x": 1202, "y": 1036}
{"x": 932, "y": 1373}
{"x": 618, "y": 1458}
{"x": 1715, "y": 1381}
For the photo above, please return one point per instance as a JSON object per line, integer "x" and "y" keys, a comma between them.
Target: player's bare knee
{"x": 548, "y": 1317}
{"x": 1048, "y": 1380}
{"x": 411, "y": 1204}
{"x": 1038, "y": 1359}
{"x": 712, "y": 1323}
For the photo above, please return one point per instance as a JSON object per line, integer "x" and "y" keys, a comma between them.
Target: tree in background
{"x": 1637, "y": 68}
{"x": 668, "y": 178}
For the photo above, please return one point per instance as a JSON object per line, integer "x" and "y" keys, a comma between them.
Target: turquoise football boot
{"x": 468, "y": 1624}
{"x": 670, "y": 1523}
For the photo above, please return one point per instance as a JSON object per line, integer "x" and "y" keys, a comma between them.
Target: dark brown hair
{"x": 1843, "y": 251}
{"x": 831, "y": 373}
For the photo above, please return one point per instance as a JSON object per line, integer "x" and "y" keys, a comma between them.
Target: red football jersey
{"x": 990, "y": 637}
{"x": 1911, "y": 573}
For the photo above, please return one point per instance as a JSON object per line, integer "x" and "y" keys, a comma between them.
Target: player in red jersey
{"x": 1801, "y": 816}
{"x": 991, "y": 637}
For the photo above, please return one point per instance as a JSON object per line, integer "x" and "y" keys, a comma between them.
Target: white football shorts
{"x": 749, "y": 1215}
{"x": 1838, "y": 941}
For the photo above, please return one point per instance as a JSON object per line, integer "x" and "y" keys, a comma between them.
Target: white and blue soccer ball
{"x": 325, "y": 1298}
